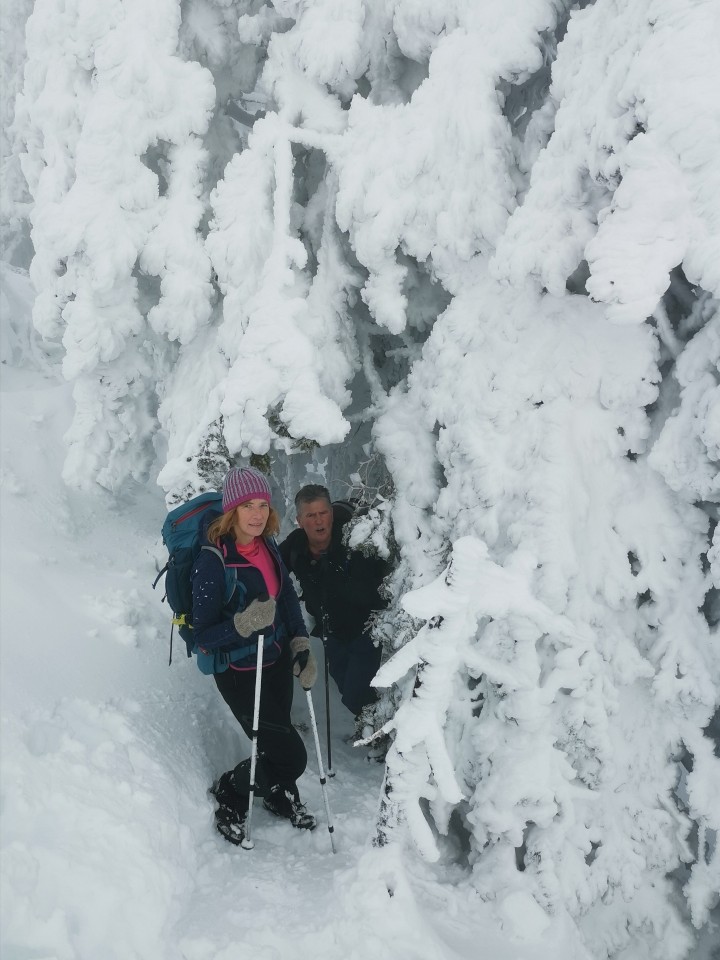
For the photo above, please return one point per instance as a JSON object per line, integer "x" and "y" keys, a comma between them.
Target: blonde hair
{"x": 225, "y": 524}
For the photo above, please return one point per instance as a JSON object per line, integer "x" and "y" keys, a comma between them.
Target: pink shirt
{"x": 257, "y": 553}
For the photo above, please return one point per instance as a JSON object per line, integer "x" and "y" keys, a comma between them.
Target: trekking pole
{"x": 331, "y": 828}
{"x": 330, "y": 771}
{"x": 247, "y": 843}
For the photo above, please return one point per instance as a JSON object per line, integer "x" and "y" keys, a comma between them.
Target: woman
{"x": 241, "y": 591}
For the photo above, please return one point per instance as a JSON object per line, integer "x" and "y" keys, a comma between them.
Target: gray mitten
{"x": 304, "y": 665}
{"x": 256, "y": 616}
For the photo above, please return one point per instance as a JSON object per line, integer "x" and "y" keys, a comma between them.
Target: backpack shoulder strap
{"x": 215, "y": 550}
{"x": 231, "y": 580}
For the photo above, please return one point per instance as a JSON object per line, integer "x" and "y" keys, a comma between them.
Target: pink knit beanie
{"x": 241, "y": 484}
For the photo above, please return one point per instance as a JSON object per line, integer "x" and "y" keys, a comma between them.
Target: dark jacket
{"x": 213, "y": 628}
{"x": 342, "y": 585}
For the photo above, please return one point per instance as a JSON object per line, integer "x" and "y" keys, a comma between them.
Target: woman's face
{"x": 250, "y": 520}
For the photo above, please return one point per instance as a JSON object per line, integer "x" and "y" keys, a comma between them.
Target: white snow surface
{"x": 108, "y": 847}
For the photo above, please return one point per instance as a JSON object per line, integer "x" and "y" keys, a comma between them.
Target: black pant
{"x": 282, "y": 757}
{"x": 353, "y": 664}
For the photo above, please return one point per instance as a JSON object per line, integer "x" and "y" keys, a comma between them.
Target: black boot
{"x": 285, "y": 802}
{"x": 232, "y": 809}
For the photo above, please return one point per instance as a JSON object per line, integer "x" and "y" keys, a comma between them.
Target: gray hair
{"x": 311, "y": 492}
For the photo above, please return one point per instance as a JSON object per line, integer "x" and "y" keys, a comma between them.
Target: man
{"x": 340, "y": 591}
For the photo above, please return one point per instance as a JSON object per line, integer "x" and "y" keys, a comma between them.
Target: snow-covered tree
{"x": 480, "y": 241}
{"x": 14, "y": 196}
{"x": 111, "y": 118}
{"x": 565, "y": 662}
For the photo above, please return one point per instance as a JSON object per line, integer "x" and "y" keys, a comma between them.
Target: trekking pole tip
{"x": 247, "y": 844}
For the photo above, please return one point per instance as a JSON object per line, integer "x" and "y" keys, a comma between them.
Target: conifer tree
{"x": 111, "y": 121}
{"x": 479, "y": 242}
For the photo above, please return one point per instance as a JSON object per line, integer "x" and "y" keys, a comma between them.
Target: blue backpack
{"x": 181, "y": 536}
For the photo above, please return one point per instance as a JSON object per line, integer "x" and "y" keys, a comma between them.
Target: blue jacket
{"x": 222, "y": 590}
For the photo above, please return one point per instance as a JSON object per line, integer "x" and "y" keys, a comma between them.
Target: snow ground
{"x": 108, "y": 846}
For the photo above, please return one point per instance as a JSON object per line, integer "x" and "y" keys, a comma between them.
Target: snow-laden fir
{"x": 461, "y": 257}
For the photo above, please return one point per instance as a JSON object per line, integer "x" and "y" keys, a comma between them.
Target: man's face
{"x": 316, "y": 519}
